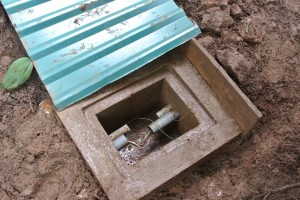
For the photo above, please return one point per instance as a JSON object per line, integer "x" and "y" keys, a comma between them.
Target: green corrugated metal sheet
{"x": 80, "y": 46}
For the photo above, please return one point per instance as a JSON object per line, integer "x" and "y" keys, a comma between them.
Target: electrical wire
{"x": 151, "y": 121}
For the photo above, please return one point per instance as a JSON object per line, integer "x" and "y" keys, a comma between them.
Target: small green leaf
{"x": 18, "y": 72}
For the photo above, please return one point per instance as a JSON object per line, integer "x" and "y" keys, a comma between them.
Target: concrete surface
{"x": 170, "y": 79}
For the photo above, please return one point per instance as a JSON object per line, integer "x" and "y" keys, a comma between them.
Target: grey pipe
{"x": 164, "y": 111}
{"x": 121, "y": 131}
{"x": 163, "y": 121}
{"x": 120, "y": 142}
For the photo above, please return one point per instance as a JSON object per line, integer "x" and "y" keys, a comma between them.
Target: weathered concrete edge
{"x": 238, "y": 104}
{"x": 194, "y": 167}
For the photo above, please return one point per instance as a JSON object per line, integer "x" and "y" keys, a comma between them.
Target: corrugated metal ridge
{"x": 56, "y": 17}
{"x": 110, "y": 46}
{"x": 13, "y": 6}
{"x": 80, "y": 46}
{"x": 90, "y": 29}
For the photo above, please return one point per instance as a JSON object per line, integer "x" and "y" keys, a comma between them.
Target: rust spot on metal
{"x": 76, "y": 21}
{"x": 58, "y": 61}
{"x": 84, "y": 7}
{"x": 73, "y": 51}
{"x": 164, "y": 17}
{"x": 82, "y": 46}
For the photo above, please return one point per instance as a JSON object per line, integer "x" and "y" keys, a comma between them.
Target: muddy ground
{"x": 256, "y": 41}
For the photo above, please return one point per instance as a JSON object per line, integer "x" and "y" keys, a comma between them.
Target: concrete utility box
{"x": 214, "y": 111}
{"x": 80, "y": 47}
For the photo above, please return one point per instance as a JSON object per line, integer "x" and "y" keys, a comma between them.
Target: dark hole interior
{"x": 139, "y": 109}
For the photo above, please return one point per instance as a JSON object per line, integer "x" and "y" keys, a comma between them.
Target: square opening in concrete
{"x": 138, "y": 111}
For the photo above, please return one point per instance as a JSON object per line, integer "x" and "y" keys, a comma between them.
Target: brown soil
{"x": 38, "y": 160}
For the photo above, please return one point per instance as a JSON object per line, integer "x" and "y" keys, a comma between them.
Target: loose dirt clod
{"x": 216, "y": 20}
{"x": 252, "y": 30}
{"x": 235, "y": 64}
{"x": 229, "y": 36}
{"x": 236, "y": 11}
{"x": 224, "y": 4}
{"x": 207, "y": 41}
{"x": 209, "y": 3}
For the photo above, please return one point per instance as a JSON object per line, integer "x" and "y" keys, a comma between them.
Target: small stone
{"x": 83, "y": 194}
{"x": 216, "y": 20}
{"x": 5, "y": 60}
{"x": 235, "y": 64}
{"x": 252, "y": 30}
{"x": 236, "y": 11}
{"x": 206, "y": 41}
{"x": 46, "y": 107}
{"x": 206, "y": 4}
{"x": 224, "y": 4}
